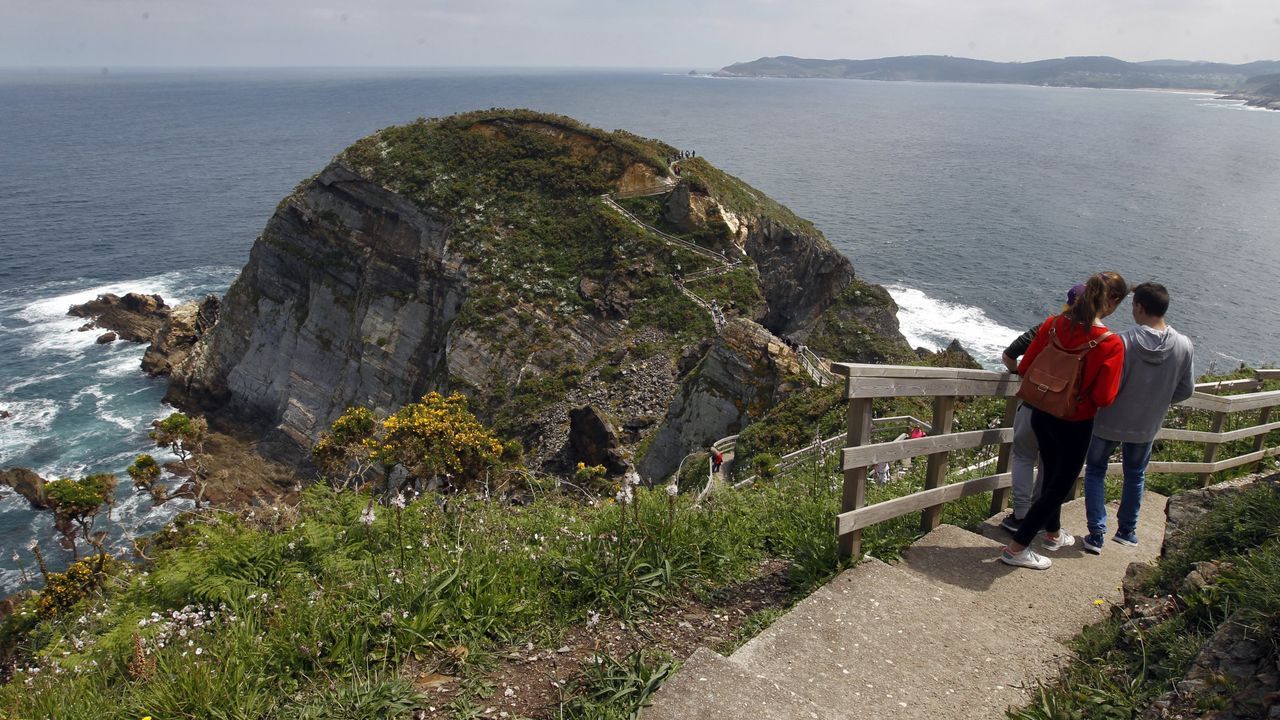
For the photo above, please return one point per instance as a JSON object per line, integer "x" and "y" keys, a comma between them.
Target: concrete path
{"x": 949, "y": 632}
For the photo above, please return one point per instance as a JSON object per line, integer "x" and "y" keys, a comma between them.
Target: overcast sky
{"x": 701, "y": 34}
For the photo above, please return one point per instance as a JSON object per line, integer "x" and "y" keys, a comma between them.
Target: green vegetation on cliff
{"x": 851, "y": 330}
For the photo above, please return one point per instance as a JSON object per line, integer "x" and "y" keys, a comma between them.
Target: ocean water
{"x": 977, "y": 206}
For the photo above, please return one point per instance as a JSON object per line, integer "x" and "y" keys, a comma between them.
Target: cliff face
{"x": 474, "y": 254}
{"x": 347, "y": 298}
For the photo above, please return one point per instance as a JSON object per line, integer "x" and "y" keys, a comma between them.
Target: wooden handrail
{"x": 944, "y": 385}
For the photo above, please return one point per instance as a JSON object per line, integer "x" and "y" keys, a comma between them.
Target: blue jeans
{"x": 1134, "y": 459}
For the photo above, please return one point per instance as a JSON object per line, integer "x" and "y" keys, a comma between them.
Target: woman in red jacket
{"x": 1064, "y": 441}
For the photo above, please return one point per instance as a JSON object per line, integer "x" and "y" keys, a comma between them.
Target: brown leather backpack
{"x": 1052, "y": 382}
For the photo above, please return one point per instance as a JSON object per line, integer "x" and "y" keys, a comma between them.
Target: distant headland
{"x": 1092, "y": 72}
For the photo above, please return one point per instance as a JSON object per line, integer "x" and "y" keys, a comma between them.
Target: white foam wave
{"x": 1225, "y": 104}
{"x": 55, "y": 307}
{"x": 28, "y": 421}
{"x": 932, "y": 323}
{"x": 93, "y": 391}
{"x": 121, "y": 363}
{"x": 14, "y": 387}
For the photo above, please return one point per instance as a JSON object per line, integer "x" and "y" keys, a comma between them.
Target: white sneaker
{"x": 1028, "y": 558}
{"x": 1064, "y": 539}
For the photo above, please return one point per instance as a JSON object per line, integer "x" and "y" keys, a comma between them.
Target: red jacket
{"x": 1103, "y": 365}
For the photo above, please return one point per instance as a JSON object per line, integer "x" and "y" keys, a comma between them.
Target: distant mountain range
{"x": 1093, "y": 71}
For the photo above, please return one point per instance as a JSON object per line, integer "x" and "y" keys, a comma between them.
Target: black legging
{"x": 1063, "y": 446}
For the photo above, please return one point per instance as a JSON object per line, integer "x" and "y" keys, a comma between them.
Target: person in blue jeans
{"x": 1157, "y": 373}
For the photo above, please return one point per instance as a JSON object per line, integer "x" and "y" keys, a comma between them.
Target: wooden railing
{"x": 865, "y": 383}
{"x": 815, "y": 366}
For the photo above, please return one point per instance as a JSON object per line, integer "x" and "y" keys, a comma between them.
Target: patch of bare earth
{"x": 532, "y": 682}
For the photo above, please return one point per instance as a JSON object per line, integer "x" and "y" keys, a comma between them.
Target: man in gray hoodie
{"x": 1157, "y": 373}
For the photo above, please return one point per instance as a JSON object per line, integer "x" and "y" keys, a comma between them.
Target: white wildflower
{"x": 397, "y": 502}
{"x": 673, "y": 490}
{"x": 367, "y": 517}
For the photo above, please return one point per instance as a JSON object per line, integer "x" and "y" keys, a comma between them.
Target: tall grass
{"x": 253, "y": 617}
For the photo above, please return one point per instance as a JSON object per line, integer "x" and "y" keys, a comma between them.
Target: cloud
{"x": 655, "y": 33}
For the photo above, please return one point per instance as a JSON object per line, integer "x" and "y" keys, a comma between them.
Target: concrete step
{"x": 950, "y": 632}
{"x": 710, "y": 687}
{"x": 1053, "y": 604}
{"x": 879, "y": 643}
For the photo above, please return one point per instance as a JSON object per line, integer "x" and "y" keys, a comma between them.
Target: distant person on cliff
{"x": 1158, "y": 371}
{"x": 1027, "y": 478}
{"x": 1064, "y": 441}
{"x": 717, "y": 459}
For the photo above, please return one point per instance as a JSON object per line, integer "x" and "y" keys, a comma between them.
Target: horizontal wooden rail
{"x": 1223, "y": 437}
{"x": 1213, "y": 388}
{"x": 881, "y": 387}
{"x": 868, "y": 455}
{"x": 847, "y": 522}
{"x": 1213, "y": 467}
{"x": 1232, "y": 403}
{"x": 861, "y": 370}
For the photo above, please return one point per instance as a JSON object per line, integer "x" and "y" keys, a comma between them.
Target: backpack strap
{"x": 1085, "y": 347}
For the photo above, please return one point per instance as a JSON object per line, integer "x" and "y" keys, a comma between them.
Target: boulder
{"x": 27, "y": 484}
{"x": 106, "y": 337}
{"x": 594, "y": 441}
{"x": 181, "y": 330}
{"x": 134, "y": 317}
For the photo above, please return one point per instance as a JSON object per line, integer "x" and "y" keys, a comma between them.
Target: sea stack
{"x": 478, "y": 253}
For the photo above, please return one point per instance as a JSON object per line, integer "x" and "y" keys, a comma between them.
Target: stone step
{"x": 1053, "y": 604}
{"x": 710, "y": 687}
{"x": 877, "y": 642}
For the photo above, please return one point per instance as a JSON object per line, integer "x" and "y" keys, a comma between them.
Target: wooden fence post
{"x": 944, "y": 413}
{"x": 854, "y": 494}
{"x": 1211, "y": 449}
{"x": 1261, "y": 442}
{"x": 1000, "y": 498}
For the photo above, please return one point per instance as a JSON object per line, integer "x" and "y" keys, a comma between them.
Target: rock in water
{"x": 27, "y": 484}
{"x": 134, "y": 317}
{"x": 474, "y": 253}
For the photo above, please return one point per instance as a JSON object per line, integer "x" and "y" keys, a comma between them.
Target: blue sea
{"x": 976, "y": 205}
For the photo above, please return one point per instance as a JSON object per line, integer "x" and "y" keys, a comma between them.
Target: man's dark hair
{"x": 1153, "y": 298}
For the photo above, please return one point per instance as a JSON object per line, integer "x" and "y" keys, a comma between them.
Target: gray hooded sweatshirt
{"x": 1157, "y": 373}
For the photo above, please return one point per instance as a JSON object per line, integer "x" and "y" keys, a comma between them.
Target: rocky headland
{"x": 1078, "y": 71}
{"x": 1260, "y": 92}
{"x": 474, "y": 253}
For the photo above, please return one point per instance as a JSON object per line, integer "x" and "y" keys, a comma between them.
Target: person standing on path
{"x": 1064, "y": 441}
{"x": 1024, "y": 468}
{"x": 717, "y": 459}
{"x": 1158, "y": 371}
